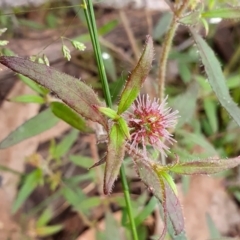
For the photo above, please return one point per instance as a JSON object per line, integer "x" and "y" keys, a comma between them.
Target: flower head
{"x": 149, "y": 122}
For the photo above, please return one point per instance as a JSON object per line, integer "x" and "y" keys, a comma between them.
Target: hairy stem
{"x": 164, "y": 56}
{"x": 166, "y": 47}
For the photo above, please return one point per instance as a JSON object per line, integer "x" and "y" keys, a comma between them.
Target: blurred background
{"x": 46, "y": 189}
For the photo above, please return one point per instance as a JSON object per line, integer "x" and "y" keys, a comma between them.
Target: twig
{"x": 166, "y": 48}
{"x": 130, "y": 35}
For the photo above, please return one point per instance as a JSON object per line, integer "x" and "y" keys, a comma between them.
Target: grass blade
{"x": 44, "y": 121}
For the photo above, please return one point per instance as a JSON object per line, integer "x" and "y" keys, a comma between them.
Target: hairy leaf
{"x": 137, "y": 77}
{"x": 157, "y": 180}
{"x": 72, "y": 91}
{"x": 34, "y": 86}
{"x": 205, "y": 167}
{"x": 216, "y": 77}
{"x": 115, "y": 155}
{"x": 190, "y": 19}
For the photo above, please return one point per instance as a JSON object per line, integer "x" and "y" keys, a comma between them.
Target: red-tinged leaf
{"x": 158, "y": 183}
{"x": 137, "y": 77}
{"x": 115, "y": 155}
{"x": 72, "y": 91}
{"x": 172, "y": 205}
{"x": 205, "y": 166}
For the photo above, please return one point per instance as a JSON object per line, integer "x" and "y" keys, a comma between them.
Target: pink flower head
{"x": 149, "y": 123}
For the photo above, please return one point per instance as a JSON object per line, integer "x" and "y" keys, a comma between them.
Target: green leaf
{"x": 124, "y": 127}
{"x": 172, "y": 206}
{"x": 216, "y": 77}
{"x": 82, "y": 161}
{"x": 137, "y": 77}
{"x": 64, "y": 146}
{"x": 162, "y": 25}
{"x": 191, "y": 139}
{"x": 109, "y": 113}
{"x": 186, "y": 104}
{"x": 30, "y": 183}
{"x": 191, "y": 18}
{"x": 169, "y": 180}
{"x": 147, "y": 210}
{"x": 72, "y": 91}
{"x": 116, "y": 87}
{"x": 210, "y": 108}
{"x": 89, "y": 176}
{"x": 32, "y": 127}
{"x": 45, "y": 231}
{"x": 44, "y": 218}
{"x": 69, "y": 116}
{"x": 209, "y": 166}
{"x": 115, "y": 155}
{"x": 28, "y": 99}
{"x": 112, "y": 228}
{"x": 34, "y": 86}
{"x": 222, "y": 13}
{"x": 89, "y": 203}
{"x": 3, "y": 42}
{"x": 184, "y": 71}
{"x": 73, "y": 197}
{"x": 151, "y": 174}
{"x": 214, "y": 232}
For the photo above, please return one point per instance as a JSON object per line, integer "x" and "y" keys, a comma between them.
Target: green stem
{"x": 128, "y": 202}
{"x": 89, "y": 14}
{"x": 90, "y": 17}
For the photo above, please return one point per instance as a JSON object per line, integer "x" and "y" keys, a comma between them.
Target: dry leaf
{"x": 207, "y": 195}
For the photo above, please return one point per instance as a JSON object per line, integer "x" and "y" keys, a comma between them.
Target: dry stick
{"x": 149, "y": 21}
{"x": 116, "y": 49}
{"x": 166, "y": 48}
{"x": 232, "y": 62}
{"x": 165, "y": 52}
{"x": 164, "y": 56}
{"x": 130, "y": 35}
